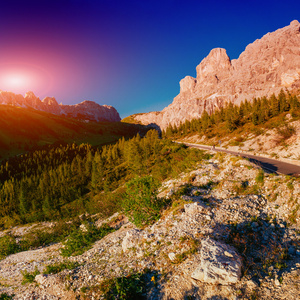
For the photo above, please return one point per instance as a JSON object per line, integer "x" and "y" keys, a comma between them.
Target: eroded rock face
{"x": 265, "y": 67}
{"x": 219, "y": 263}
{"x": 86, "y": 110}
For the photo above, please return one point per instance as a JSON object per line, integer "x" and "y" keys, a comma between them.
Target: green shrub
{"x": 260, "y": 177}
{"x": 4, "y": 296}
{"x": 58, "y": 267}
{"x": 78, "y": 241}
{"x": 286, "y": 131}
{"x": 290, "y": 185}
{"x": 8, "y": 245}
{"x": 140, "y": 201}
{"x": 28, "y": 277}
{"x": 128, "y": 287}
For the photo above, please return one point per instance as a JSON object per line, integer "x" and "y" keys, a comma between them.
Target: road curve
{"x": 271, "y": 165}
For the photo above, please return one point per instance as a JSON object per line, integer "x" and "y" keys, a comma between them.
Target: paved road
{"x": 271, "y": 165}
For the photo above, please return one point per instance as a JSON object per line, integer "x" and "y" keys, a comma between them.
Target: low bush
{"x": 140, "y": 202}
{"x": 260, "y": 177}
{"x": 46, "y": 236}
{"x": 58, "y": 267}
{"x": 78, "y": 241}
{"x": 4, "y": 296}
{"x": 128, "y": 287}
{"x": 28, "y": 277}
{"x": 8, "y": 245}
{"x": 286, "y": 131}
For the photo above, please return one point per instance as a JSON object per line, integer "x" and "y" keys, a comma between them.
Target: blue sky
{"x": 129, "y": 54}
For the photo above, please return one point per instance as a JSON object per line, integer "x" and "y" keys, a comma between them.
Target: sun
{"x": 23, "y": 78}
{"x": 16, "y": 81}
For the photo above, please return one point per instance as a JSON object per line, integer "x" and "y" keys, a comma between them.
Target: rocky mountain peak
{"x": 50, "y": 101}
{"x": 32, "y": 100}
{"x": 265, "y": 67}
{"x": 87, "y": 110}
{"x": 295, "y": 23}
{"x": 30, "y": 95}
{"x": 216, "y": 63}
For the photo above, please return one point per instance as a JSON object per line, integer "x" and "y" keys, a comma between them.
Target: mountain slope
{"x": 22, "y": 129}
{"x": 226, "y": 214}
{"x": 265, "y": 67}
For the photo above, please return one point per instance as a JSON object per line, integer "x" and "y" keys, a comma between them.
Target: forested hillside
{"x": 248, "y": 117}
{"x": 67, "y": 180}
{"x": 23, "y": 129}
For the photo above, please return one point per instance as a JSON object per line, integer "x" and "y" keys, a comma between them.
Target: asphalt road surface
{"x": 268, "y": 164}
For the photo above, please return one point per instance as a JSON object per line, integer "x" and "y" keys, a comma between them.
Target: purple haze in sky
{"x": 129, "y": 54}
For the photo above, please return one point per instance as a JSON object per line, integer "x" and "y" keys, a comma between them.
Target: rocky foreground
{"x": 231, "y": 232}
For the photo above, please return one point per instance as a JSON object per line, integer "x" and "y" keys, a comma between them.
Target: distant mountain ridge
{"x": 87, "y": 110}
{"x": 265, "y": 67}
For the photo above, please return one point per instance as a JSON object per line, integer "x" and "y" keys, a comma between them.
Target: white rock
{"x": 41, "y": 279}
{"x": 219, "y": 263}
{"x": 194, "y": 208}
{"x": 131, "y": 239}
{"x": 172, "y": 256}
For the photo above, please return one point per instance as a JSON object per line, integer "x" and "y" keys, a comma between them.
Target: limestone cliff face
{"x": 87, "y": 110}
{"x": 265, "y": 67}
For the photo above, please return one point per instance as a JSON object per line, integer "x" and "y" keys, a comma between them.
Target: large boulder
{"x": 219, "y": 263}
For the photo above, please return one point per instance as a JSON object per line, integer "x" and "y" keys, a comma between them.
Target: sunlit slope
{"x": 22, "y": 129}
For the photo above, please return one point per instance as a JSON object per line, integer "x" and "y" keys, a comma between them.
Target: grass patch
{"x": 37, "y": 238}
{"x": 293, "y": 215}
{"x": 191, "y": 245}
